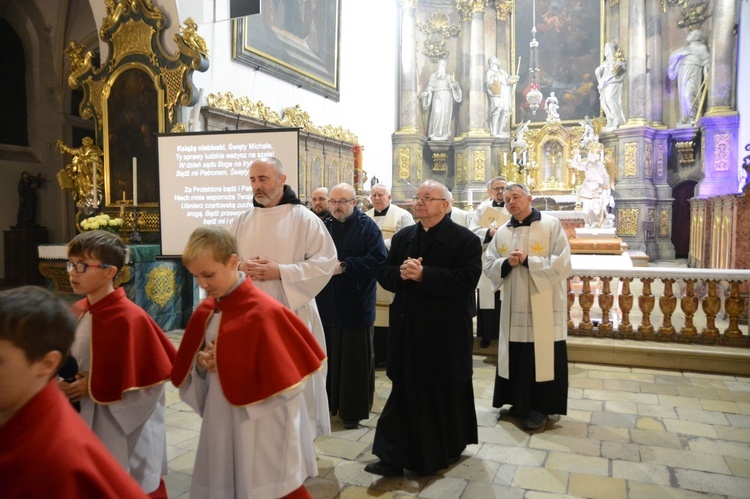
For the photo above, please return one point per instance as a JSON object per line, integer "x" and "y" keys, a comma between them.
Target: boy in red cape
{"x": 243, "y": 364}
{"x": 46, "y": 450}
{"x": 124, "y": 359}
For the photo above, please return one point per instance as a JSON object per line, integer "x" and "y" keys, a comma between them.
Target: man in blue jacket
{"x": 347, "y": 307}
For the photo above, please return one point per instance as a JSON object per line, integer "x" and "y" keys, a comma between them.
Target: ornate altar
{"x": 135, "y": 94}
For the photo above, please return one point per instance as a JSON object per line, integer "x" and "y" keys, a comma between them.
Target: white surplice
{"x": 262, "y": 450}
{"x": 486, "y": 291}
{"x": 297, "y": 240}
{"x": 133, "y": 429}
{"x": 535, "y": 305}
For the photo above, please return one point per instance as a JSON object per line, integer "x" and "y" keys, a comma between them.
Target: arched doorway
{"x": 682, "y": 193}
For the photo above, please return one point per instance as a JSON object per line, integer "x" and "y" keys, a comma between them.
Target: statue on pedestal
{"x": 610, "y": 75}
{"x": 442, "y": 91}
{"x": 551, "y": 105}
{"x": 689, "y": 66}
{"x": 499, "y": 86}
{"x": 27, "y": 188}
{"x": 82, "y": 173}
{"x": 595, "y": 190}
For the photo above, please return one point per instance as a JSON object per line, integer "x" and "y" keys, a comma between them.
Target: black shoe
{"x": 534, "y": 420}
{"x": 351, "y": 424}
{"x": 485, "y": 343}
{"x": 384, "y": 469}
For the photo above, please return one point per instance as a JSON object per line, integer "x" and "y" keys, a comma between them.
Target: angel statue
{"x": 191, "y": 37}
{"x": 80, "y": 174}
{"x": 595, "y": 190}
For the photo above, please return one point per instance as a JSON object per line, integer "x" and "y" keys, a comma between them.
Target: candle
{"x": 524, "y": 157}
{"x": 94, "y": 186}
{"x": 601, "y": 155}
{"x": 135, "y": 181}
{"x": 123, "y": 195}
{"x": 505, "y": 158}
{"x": 471, "y": 197}
{"x": 514, "y": 157}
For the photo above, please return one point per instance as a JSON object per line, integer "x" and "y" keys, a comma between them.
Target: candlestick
{"x": 94, "y": 186}
{"x": 135, "y": 181}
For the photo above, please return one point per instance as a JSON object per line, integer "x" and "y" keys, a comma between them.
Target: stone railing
{"x": 678, "y": 305}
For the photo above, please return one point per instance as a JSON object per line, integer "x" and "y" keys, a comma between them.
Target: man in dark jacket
{"x": 347, "y": 307}
{"x": 433, "y": 268}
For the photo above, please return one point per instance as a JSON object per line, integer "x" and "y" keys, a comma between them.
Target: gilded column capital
{"x": 502, "y": 9}
{"x": 466, "y": 8}
{"x": 409, "y": 4}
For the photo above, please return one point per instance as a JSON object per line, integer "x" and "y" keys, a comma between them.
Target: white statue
{"x": 551, "y": 105}
{"x": 499, "y": 86}
{"x": 520, "y": 142}
{"x": 588, "y": 136}
{"x": 610, "y": 75}
{"x": 595, "y": 190}
{"x": 442, "y": 90}
{"x": 689, "y": 65}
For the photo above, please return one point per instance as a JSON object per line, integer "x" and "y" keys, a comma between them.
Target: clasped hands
{"x": 517, "y": 257}
{"x": 261, "y": 269}
{"x": 76, "y": 390}
{"x": 207, "y": 358}
{"x": 411, "y": 269}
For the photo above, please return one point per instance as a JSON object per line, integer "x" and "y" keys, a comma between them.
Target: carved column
{"x": 655, "y": 65}
{"x": 720, "y": 158}
{"x": 477, "y": 97}
{"x": 464, "y": 68}
{"x": 722, "y": 63}
{"x": 664, "y": 200}
{"x": 409, "y": 121}
{"x": 637, "y": 77}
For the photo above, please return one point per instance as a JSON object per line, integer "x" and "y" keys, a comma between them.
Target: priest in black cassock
{"x": 433, "y": 268}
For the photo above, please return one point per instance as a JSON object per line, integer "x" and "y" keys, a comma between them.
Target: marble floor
{"x": 629, "y": 433}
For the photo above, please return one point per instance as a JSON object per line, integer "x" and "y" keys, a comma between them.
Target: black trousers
{"x": 488, "y": 320}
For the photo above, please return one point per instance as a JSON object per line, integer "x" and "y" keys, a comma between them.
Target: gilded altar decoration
{"x": 438, "y": 29}
{"x": 480, "y": 161}
{"x": 649, "y": 168}
{"x": 466, "y": 8}
{"x": 460, "y": 169}
{"x": 664, "y": 223}
{"x": 721, "y": 152}
{"x": 660, "y": 161}
{"x": 294, "y": 117}
{"x": 693, "y": 16}
{"x": 404, "y": 163}
{"x": 161, "y": 285}
{"x": 83, "y": 176}
{"x": 419, "y": 165}
{"x": 685, "y": 155}
{"x": 631, "y": 159}
{"x": 502, "y": 9}
{"x": 189, "y": 33}
{"x": 627, "y": 221}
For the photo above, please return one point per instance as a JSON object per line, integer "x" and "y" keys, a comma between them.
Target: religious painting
{"x": 131, "y": 119}
{"x": 296, "y": 41}
{"x": 569, "y": 33}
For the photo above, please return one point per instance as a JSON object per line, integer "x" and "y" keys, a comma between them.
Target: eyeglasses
{"x": 340, "y": 202}
{"x": 497, "y": 189}
{"x": 81, "y": 267}
{"x": 426, "y": 199}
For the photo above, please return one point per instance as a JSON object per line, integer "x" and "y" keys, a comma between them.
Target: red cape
{"x": 262, "y": 347}
{"x": 129, "y": 351}
{"x": 48, "y": 451}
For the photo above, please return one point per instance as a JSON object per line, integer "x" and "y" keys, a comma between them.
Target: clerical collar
{"x": 534, "y": 216}
{"x": 498, "y": 205}
{"x": 382, "y": 213}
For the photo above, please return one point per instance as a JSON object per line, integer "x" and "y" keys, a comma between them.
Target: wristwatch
{"x": 343, "y": 266}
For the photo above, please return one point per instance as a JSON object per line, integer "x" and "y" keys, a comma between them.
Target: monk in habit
{"x": 287, "y": 252}
{"x": 243, "y": 365}
{"x": 529, "y": 259}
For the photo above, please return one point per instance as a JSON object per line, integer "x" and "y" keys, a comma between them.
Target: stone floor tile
{"x": 649, "y": 424}
{"x": 585, "y": 382}
{"x": 609, "y": 433}
{"x": 739, "y": 420}
{"x": 179, "y": 436}
{"x": 689, "y": 460}
{"x": 575, "y": 393}
{"x": 657, "y": 411}
{"x": 642, "y": 472}
{"x": 617, "y": 420}
{"x": 173, "y": 452}
{"x": 739, "y": 384}
{"x": 744, "y": 407}
{"x": 679, "y": 401}
{"x": 503, "y": 435}
{"x": 659, "y": 389}
{"x": 712, "y": 483}
{"x": 340, "y": 447}
{"x": 473, "y": 469}
{"x": 486, "y": 490}
{"x": 561, "y": 443}
{"x": 578, "y": 416}
{"x": 732, "y": 433}
{"x": 597, "y": 487}
{"x": 178, "y": 483}
{"x": 183, "y": 463}
{"x": 577, "y": 463}
{"x": 699, "y": 392}
{"x": 504, "y": 474}
{"x": 671, "y": 378}
{"x": 622, "y": 451}
{"x": 595, "y": 368}
{"x": 656, "y": 438}
{"x": 739, "y": 467}
{"x": 512, "y": 455}
{"x": 641, "y": 490}
{"x": 733, "y": 395}
{"x": 586, "y": 405}
{"x": 701, "y": 416}
{"x": 641, "y": 398}
{"x": 690, "y": 428}
{"x": 622, "y": 385}
{"x": 323, "y": 488}
{"x": 727, "y": 406}
{"x": 561, "y": 425}
{"x": 621, "y": 407}
{"x": 622, "y": 376}
{"x": 541, "y": 479}
{"x": 353, "y": 473}
{"x": 720, "y": 447}
{"x": 439, "y": 487}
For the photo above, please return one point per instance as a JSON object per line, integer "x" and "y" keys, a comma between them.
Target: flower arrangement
{"x": 102, "y": 222}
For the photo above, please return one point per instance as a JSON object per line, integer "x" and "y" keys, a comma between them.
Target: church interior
{"x": 541, "y": 92}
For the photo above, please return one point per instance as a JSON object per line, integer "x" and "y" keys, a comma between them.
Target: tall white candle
{"x": 135, "y": 181}
{"x": 471, "y": 197}
{"x": 514, "y": 157}
{"x": 93, "y": 188}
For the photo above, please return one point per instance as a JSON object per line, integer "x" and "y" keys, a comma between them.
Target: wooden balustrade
{"x": 719, "y": 294}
